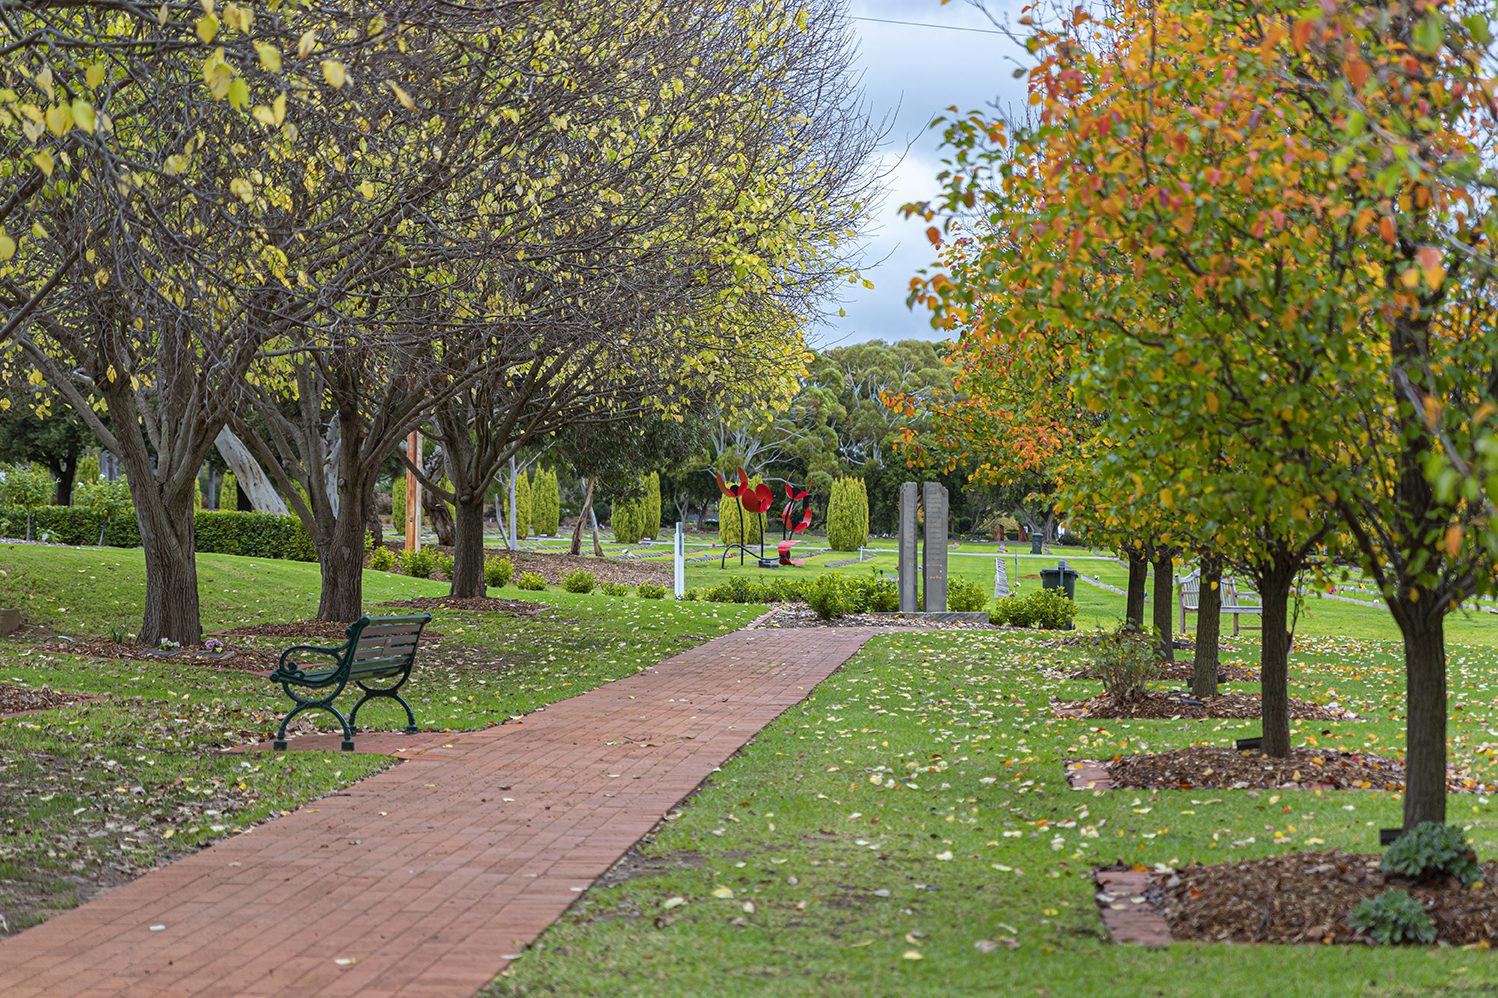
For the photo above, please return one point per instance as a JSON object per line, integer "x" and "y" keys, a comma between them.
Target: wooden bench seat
{"x": 1234, "y": 601}
{"x": 377, "y": 657}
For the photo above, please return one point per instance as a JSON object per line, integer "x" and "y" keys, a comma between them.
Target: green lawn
{"x": 915, "y": 805}
{"x": 134, "y": 779}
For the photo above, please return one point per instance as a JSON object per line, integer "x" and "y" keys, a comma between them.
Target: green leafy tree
{"x": 848, "y": 515}
{"x": 546, "y": 503}
{"x": 650, "y": 511}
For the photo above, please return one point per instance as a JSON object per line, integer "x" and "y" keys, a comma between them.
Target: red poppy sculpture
{"x": 757, "y": 500}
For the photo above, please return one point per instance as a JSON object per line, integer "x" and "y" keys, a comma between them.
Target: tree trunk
{"x": 1165, "y": 604}
{"x": 468, "y": 550}
{"x": 166, "y": 535}
{"x": 441, "y": 519}
{"x": 1134, "y": 602}
{"x": 1274, "y": 665}
{"x": 1208, "y": 628}
{"x": 341, "y": 560}
{"x": 255, "y": 488}
{"x": 67, "y": 471}
{"x": 583, "y": 515}
{"x": 1425, "y": 725}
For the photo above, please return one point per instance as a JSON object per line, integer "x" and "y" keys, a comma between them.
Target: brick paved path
{"x": 419, "y": 881}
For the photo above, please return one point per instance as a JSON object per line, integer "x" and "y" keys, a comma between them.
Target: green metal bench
{"x": 378, "y": 650}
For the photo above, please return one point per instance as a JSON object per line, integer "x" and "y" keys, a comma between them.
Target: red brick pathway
{"x": 420, "y": 880}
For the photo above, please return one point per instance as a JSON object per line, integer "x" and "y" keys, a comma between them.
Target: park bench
{"x": 377, "y": 657}
{"x": 1233, "y": 601}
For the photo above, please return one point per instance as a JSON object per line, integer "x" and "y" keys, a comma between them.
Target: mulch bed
{"x": 242, "y": 659}
{"x": 1180, "y": 672}
{"x": 1306, "y": 897}
{"x": 514, "y": 607}
{"x": 552, "y": 567}
{"x": 295, "y": 629}
{"x": 1165, "y": 706}
{"x": 24, "y": 699}
{"x": 1221, "y": 767}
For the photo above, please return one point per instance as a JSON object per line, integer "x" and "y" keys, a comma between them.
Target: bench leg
{"x": 279, "y": 744}
{"x": 393, "y": 694}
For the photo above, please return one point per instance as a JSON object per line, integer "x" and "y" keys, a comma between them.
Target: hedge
{"x": 255, "y": 535}
{"x": 848, "y": 515}
{"x": 546, "y": 503}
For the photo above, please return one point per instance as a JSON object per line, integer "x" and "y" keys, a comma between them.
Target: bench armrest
{"x": 289, "y": 668}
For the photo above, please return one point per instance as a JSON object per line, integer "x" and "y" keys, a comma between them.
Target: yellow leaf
{"x": 83, "y": 115}
{"x": 402, "y": 96}
{"x": 334, "y": 73}
{"x": 270, "y": 57}
{"x": 43, "y": 162}
{"x": 1167, "y": 499}
{"x": 368, "y": 190}
{"x": 59, "y": 119}
{"x": 207, "y": 28}
{"x": 722, "y": 892}
{"x": 307, "y": 44}
{"x": 94, "y": 75}
{"x": 7, "y": 247}
{"x": 35, "y": 377}
{"x": 1212, "y": 403}
{"x": 241, "y": 188}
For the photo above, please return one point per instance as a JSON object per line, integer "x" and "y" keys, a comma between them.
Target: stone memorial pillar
{"x": 934, "y": 563}
{"x": 907, "y": 537}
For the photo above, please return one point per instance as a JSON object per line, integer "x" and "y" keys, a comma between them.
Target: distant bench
{"x": 1233, "y": 602}
{"x": 378, "y": 650}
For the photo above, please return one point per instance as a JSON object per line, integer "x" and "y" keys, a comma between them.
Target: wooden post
{"x": 413, "y": 493}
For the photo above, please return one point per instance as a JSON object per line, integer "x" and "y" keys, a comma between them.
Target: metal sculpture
{"x": 756, "y": 500}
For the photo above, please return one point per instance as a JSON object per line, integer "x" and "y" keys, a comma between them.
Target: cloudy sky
{"x": 912, "y": 74}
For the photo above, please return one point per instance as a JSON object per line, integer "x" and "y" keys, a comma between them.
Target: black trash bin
{"x": 1060, "y": 577}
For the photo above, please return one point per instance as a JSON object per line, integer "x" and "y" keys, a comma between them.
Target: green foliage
{"x": 197, "y": 493}
{"x": 744, "y": 589}
{"x": 579, "y": 580}
{"x": 546, "y": 503}
{"x": 1392, "y": 918}
{"x": 382, "y": 560}
{"x": 615, "y": 589}
{"x": 228, "y": 492}
{"x": 832, "y": 595}
{"x": 1125, "y": 659}
{"x": 418, "y": 564}
{"x": 105, "y": 499}
{"x": 89, "y": 470}
{"x": 651, "y": 590}
{"x": 498, "y": 572}
{"x": 255, "y": 535}
{"x": 398, "y": 502}
{"x": 965, "y": 596}
{"x": 443, "y": 565}
{"x": 848, "y": 515}
{"x": 729, "y": 512}
{"x": 650, "y": 511}
{"x": 825, "y": 597}
{"x": 1050, "y": 609}
{"x": 532, "y": 582}
{"x": 26, "y": 486}
{"x": 523, "y": 507}
{"x": 1432, "y": 851}
{"x": 627, "y": 520}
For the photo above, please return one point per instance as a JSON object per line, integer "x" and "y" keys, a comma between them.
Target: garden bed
{"x": 1306, "y": 897}
{"x": 1168, "y": 706}
{"x": 1181, "y": 672}
{"x": 16, "y": 699}
{"x": 485, "y": 604}
{"x": 791, "y": 615}
{"x": 238, "y": 659}
{"x": 1219, "y": 767}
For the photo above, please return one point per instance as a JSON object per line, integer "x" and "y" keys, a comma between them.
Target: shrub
{"x": 443, "y": 564}
{"x": 419, "y": 563}
{"x": 579, "y": 581}
{"x": 615, "y": 589}
{"x": 88, "y": 470}
{"x": 651, "y": 590}
{"x": 531, "y": 581}
{"x": 522, "y": 505}
{"x": 26, "y": 487}
{"x": 398, "y": 502}
{"x": 1046, "y": 608}
{"x": 1125, "y": 660}
{"x": 1432, "y": 851}
{"x": 650, "y": 508}
{"x": 1392, "y": 918}
{"x": 729, "y": 511}
{"x": 827, "y": 597}
{"x": 382, "y": 560}
{"x": 228, "y": 492}
{"x": 627, "y": 520}
{"x": 848, "y": 515}
{"x": 741, "y": 589}
{"x": 546, "y": 503}
{"x": 253, "y": 535}
{"x": 498, "y": 572}
{"x": 110, "y": 502}
{"x": 965, "y": 596}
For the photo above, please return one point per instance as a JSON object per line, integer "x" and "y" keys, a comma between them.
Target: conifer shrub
{"x": 848, "y": 515}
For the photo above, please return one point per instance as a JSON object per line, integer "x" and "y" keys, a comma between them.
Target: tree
{"x": 848, "y": 515}
{"x": 650, "y": 525}
{"x": 546, "y": 503}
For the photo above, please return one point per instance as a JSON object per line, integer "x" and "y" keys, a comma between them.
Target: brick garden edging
{"x": 1126, "y": 911}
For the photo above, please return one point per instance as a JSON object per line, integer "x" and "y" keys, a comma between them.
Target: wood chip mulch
{"x": 1181, "y": 672}
{"x": 1221, "y": 767}
{"x": 24, "y": 699}
{"x": 295, "y": 629}
{"x": 1166, "y": 706}
{"x": 242, "y": 659}
{"x": 514, "y": 607}
{"x": 1306, "y": 897}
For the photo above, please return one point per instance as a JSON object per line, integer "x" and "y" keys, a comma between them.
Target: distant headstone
{"x": 934, "y": 557}
{"x": 908, "y": 563}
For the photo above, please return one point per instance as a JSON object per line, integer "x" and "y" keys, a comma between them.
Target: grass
{"x": 92, "y": 792}
{"x": 915, "y": 805}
